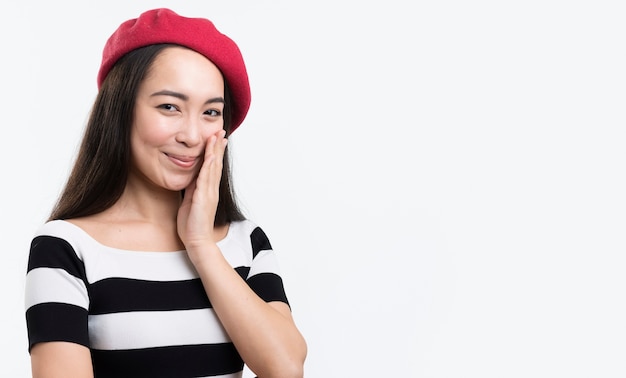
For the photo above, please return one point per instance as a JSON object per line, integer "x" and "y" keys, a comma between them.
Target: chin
{"x": 176, "y": 185}
{"x": 176, "y": 188}
{"x": 176, "y": 182}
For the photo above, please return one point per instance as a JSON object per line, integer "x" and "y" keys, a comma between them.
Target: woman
{"x": 146, "y": 267}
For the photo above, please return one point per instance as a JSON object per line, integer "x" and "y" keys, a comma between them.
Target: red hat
{"x": 199, "y": 34}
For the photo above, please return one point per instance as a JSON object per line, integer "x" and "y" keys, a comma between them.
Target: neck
{"x": 143, "y": 203}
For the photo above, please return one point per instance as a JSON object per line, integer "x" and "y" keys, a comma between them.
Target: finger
{"x": 208, "y": 157}
{"x": 210, "y": 146}
{"x": 216, "y": 148}
{"x": 223, "y": 142}
{"x": 208, "y": 179}
{"x": 190, "y": 191}
{"x": 219, "y": 151}
{"x": 204, "y": 176}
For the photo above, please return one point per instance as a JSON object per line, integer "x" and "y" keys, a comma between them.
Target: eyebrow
{"x": 184, "y": 97}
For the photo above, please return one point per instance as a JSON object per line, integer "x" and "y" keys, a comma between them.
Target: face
{"x": 179, "y": 107}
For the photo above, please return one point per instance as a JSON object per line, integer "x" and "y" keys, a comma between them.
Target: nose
{"x": 189, "y": 132}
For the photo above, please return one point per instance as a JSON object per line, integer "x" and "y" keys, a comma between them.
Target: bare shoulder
{"x": 95, "y": 225}
{"x": 89, "y": 223}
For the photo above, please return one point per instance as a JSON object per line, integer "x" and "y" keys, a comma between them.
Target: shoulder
{"x": 56, "y": 245}
{"x": 57, "y": 228}
{"x": 243, "y": 242}
{"x": 56, "y": 232}
{"x": 250, "y": 232}
{"x": 58, "y": 236}
{"x": 245, "y": 226}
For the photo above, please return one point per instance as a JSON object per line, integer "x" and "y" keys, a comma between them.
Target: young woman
{"x": 146, "y": 267}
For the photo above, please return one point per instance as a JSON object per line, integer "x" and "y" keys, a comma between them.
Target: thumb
{"x": 188, "y": 194}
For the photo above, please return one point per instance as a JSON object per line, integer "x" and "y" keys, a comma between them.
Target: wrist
{"x": 200, "y": 252}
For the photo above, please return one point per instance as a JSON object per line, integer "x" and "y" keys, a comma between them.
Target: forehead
{"x": 182, "y": 69}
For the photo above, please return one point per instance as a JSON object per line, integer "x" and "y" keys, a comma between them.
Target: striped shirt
{"x": 142, "y": 314}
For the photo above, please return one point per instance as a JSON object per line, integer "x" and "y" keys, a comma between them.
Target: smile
{"x": 182, "y": 161}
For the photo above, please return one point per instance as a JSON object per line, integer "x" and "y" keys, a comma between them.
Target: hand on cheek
{"x": 196, "y": 215}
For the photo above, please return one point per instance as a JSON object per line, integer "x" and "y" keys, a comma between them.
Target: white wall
{"x": 444, "y": 180}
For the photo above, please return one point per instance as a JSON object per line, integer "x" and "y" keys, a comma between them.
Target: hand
{"x": 196, "y": 215}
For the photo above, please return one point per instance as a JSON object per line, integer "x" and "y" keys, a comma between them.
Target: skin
{"x": 177, "y": 142}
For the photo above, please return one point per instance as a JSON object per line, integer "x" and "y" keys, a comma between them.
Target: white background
{"x": 444, "y": 181}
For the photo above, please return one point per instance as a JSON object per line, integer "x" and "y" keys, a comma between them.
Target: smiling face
{"x": 179, "y": 105}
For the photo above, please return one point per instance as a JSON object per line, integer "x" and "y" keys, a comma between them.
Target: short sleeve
{"x": 56, "y": 297}
{"x": 264, "y": 275}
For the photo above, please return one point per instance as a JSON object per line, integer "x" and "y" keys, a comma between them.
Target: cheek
{"x": 150, "y": 133}
{"x": 212, "y": 128}
{"x": 150, "y": 127}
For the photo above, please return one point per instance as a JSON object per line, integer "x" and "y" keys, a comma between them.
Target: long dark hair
{"x": 100, "y": 171}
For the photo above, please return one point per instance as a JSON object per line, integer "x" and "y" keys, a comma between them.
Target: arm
{"x": 56, "y": 302}
{"x": 264, "y": 333}
{"x": 60, "y": 360}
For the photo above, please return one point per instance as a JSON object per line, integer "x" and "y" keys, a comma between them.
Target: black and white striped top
{"x": 142, "y": 314}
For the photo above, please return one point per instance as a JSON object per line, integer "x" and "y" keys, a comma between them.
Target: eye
{"x": 213, "y": 113}
{"x": 168, "y": 107}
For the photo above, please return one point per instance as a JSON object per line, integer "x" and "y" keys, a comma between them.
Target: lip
{"x": 182, "y": 161}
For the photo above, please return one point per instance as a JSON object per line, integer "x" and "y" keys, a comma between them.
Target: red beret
{"x": 165, "y": 26}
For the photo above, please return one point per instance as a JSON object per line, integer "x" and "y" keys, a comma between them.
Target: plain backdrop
{"x": 443, "y": 181}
